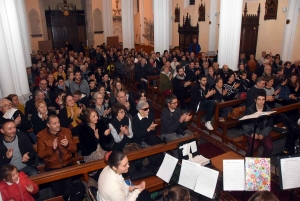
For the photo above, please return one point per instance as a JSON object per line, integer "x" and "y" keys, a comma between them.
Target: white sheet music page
{"x": 290, "y": 172}
{"x": 233, "y": 175}
{"x": 206, "y": 181}
{"x": 188, "y": 174}
{"x": 167, "y": 168}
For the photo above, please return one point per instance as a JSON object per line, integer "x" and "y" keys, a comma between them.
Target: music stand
{"x": 280, "y": 173}
{"x": 255, "y": 121}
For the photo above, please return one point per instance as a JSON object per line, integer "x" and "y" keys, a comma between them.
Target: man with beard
{"x": 181, "y": 86}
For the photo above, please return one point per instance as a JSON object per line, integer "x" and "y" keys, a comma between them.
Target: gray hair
{"x": 141, "y": 104}
{"x": 95, "y": 95}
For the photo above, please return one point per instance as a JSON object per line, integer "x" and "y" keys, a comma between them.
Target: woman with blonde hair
{"x": 69, "y": 115}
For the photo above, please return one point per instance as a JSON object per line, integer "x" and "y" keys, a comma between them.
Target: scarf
{"x": 76, "y": 121}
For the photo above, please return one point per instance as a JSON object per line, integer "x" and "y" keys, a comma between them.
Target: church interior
{"x": 230, "y": 33}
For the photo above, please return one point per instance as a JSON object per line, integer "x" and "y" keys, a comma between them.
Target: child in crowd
{"x": 16, "y": 186}
{"x": 93, "y": 88}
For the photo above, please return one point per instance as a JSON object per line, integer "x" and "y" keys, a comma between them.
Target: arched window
{"x": 98, "y": 24}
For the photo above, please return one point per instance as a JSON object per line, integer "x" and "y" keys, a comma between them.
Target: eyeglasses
{"x": 146, "y": 109}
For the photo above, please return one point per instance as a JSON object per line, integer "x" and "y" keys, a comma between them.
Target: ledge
{"x": 36, "y": 35}
{"x": 98, "y": 32}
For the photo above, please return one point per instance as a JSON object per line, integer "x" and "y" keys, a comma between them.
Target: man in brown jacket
{"x": 55, "y": 145}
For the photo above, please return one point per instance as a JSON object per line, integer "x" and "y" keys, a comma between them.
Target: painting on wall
{"x": 117, "y": 21}
{"x": 271, "y": 9}
{"x": 149, "y": 30}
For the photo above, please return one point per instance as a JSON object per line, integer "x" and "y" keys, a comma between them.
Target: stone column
{"x": 142, "y": 16}
{"x": 162, "y": 17}
{"x": 107, "y": 19}
{"x": 290, "y": 30}
{"x": 25, "y": 31}
{"x": 43, "y": 19}
{"x": 230, "y": 32}
{"x": 212, "y": 26}
{"x": 89, "y": 22}
{"x": 13, "y": 77}
{"x": 127, "y": 24}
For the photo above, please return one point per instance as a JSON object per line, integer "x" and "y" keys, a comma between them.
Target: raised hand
{"x": 30, "y": 188}
{"x": 9, "y": 153}
{"x": 107, "y": 132}
{"x": 25, "y": 157}
{"x": 18, "y": 120}
{"x": 55, "y": 144}
{"x": 64, "y": 142}
{"x": 152, "y": 126}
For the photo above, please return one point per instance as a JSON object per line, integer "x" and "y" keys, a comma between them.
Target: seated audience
{"x": 252, "y": 79}
{"x": 190, "y": 72}
{"x": 181, "y": 86}
{"x": 143, "y": 126}
{"x": 16, "y": 103}
{"x": 211, "y": 77}
{"x": 81, "y": 99}
{"x": 22, "y": 123}
{"x": 120, "y": 126}
{"x": 55, "y": 145}
{"x": 232, "y": 87}
{"x": 284, "y": 97}
{"x": 103, "y": 108}
{"x": 79, "y": 84}
{"x": 93, "y": 88}
{"x": 51, "y": 82}
{"x": 202, "y": 99}
{"x": 69, "y": 115}
{"x": 252, "y": 63}
{"x": 141, "y": 71}
{"x": 220, "y": 92}
{"x": 244, "y": 84}
{"x": 293, "y": 85}
{"x": 128, "y": 102}
{"x": 59, "y": 103}
{"x": 288, "y": 70}
{"x": 271, "y": 94}
{"x": 173, "y": 120}
{"x": 165, "y": 81}
{"x": 70, "y": 79}
{"x": 30, "y": 105}
{"x": 16, "y": 185}
{"x": 94, "y": 137}
{"x": 39, "y": 118}
{"x": 111, "y": 175}
{"x": 106, "y": 82}
{"x": 225, "y": 72}
{"x": 60, "y": 73}
{"x": 116, "y": 87}
{"x": 177, "y": 193}
{"x": 260, "y": 84}
{"x": 18, "y": 148}
{"x": 263, "y": 126}
{"x": 61, "y": 86}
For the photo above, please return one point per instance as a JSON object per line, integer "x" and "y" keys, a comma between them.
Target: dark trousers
{"x": 61, "y": 187}
{"x": 266, "y": 142}
{"x": 209, "y": 107}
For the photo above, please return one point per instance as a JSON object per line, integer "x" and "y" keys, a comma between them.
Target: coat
{"x": 18, "y": 191}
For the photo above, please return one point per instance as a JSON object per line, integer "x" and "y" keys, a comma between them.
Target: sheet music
{"x": 256, "y": 115}
{"x": 206, "y": 181}
{"x": 233, "y": 175}
{"x": 167, "y": 168}
{"x": 9, "y": 113}
{"x": 188, "y": 174}
{"x": 193, "y": 146}
{"x": 290, "y": 172}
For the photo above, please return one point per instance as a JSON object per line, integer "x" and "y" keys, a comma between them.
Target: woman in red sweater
{"x": 16, "y": 186}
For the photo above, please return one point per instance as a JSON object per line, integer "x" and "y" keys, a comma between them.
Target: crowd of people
{"x": 78, "y": 95}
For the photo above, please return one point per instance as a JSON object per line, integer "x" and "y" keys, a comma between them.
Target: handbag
{"x": 237, "y": 112}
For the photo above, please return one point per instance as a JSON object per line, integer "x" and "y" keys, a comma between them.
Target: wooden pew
{"x": 228, "y": 123}
{"x": 151, "y": 88}
{"x": 83, "y": 169}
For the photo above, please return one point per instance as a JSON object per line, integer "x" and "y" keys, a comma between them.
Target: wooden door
{"x": 249, "y": 32}
{"x": 66, "y": 28}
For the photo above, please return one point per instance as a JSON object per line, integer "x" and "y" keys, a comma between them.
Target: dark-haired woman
{"x": 94, "y": 137}
{"x": 69, "y": 115}
{"x": 177, "y": 193}
{"x": 120, "y": 127}
{"x": 111, "y": 184}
